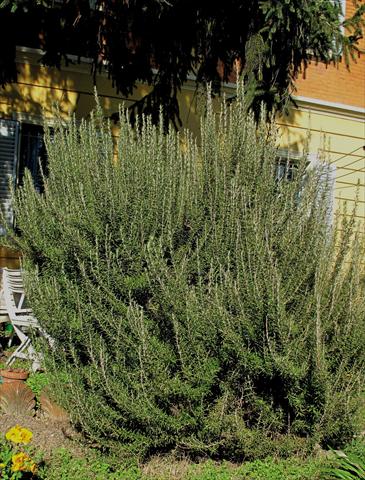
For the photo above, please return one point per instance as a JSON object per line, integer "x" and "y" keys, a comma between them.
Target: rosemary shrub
{"x": 197, "y": 302}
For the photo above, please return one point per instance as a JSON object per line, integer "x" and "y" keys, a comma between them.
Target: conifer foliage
{"x": 162, "y": 43}
{"x": 198, "y": 301}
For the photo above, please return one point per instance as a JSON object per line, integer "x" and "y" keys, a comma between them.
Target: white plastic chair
{"x": 21, "y": 317}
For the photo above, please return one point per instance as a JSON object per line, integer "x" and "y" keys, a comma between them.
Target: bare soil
{"x": 48, "y": 435}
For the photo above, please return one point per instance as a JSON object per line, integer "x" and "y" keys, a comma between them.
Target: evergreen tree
{"x": 273, "y": 40}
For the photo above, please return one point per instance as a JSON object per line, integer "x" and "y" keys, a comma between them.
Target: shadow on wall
{"x": 293, "y": 139}
{"x": 36, "y": 93}
{"x": 39, "y": 90}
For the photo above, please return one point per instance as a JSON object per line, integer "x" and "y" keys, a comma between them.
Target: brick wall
{"x": 336, "y": 83}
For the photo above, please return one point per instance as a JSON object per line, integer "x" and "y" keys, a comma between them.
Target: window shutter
{"x": 327, "y": 178}
{"x": 9, "y": 133}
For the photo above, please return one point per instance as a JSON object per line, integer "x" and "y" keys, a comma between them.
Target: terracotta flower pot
{"x": 12, "y": 375}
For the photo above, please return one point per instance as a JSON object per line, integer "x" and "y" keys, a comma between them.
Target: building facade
{"x": 331, "y": 106}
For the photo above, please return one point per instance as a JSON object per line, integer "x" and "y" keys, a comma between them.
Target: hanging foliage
{"x": 161, "y": 42}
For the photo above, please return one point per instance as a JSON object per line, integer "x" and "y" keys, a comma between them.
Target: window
{"x": 285, "y": 170}
{"x": 32, "y": 154}
{"x": 21, "y": 147}
{"x": 287, "y": 165}
{"x": 9, "y": 145}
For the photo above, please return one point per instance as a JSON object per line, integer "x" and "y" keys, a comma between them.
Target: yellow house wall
{"x": 39, "y": 89}
{"x": 337, "y": 131}
{"x": 340, "y": 139}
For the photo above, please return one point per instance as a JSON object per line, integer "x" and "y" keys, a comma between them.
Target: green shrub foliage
{"x": 347, "y": 467}
{"x": 197, "y": 301}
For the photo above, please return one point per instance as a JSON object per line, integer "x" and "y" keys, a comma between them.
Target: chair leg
{"x": 25, "y": 351}
{"x": 19, "y": 352}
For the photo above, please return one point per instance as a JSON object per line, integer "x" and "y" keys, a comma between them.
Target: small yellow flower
{"x": 2, "y": 465}
{"x": 18, "y": 434}
{"x": 22, "y": 463}
{"x": 19, "y": 460}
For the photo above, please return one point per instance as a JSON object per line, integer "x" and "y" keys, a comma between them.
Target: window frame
{"x": 328, "y": 173}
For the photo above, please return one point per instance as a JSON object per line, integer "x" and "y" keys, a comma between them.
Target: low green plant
{"x": 267, "y": 469}
{"x": 18, "y": 363}
{"x": 66, "y": 466}
{"x": 346, "y": 467}
{"x": 37, "y": 381}
{"x": 356, "y": 448}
